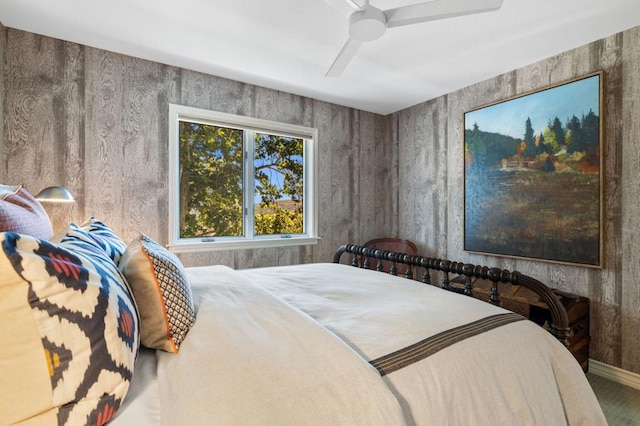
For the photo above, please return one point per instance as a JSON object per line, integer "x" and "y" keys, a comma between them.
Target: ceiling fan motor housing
{"x": 367, "y": 25}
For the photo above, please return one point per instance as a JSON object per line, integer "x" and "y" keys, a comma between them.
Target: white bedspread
{"x": 291, "y": 345}
{"x": 517, "y": 374}
{"x": 252, "y": 359}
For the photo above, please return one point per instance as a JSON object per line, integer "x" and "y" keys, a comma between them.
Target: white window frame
{"x": 310, "y": 199}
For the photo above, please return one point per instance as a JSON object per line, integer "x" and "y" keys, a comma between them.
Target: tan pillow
{"x": 161, "y": 291}
{"x": 20, "y": 212}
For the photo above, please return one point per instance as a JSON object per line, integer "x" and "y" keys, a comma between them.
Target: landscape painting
{"x": 533, "y": 175}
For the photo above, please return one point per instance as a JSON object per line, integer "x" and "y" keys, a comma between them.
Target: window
{"x": 239, "y": 182}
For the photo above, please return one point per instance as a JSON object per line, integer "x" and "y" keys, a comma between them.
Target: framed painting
{"x": 533, "y": 184}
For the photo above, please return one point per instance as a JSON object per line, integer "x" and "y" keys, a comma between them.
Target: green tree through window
{"x": 278, "y": 165}
{"x": 211, "y": 175}
{"x": 211, "y": 182}
{"x": 240, "y": 182}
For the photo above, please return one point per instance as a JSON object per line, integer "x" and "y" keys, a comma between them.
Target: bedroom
{"x": 84, "y": 117}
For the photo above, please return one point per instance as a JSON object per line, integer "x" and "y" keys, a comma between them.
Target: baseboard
{"x": 615, "y": 374}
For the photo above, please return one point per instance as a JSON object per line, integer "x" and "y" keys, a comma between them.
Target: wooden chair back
{"x": 391, "y": 244}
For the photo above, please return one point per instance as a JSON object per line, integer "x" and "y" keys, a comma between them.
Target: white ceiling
{"x": 289, "y": 44}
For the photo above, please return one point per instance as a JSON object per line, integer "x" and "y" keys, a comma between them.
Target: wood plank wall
{"x": 2, "y": 49}
{"x": 429, "y": 138}
{"x": 97, "y": 123}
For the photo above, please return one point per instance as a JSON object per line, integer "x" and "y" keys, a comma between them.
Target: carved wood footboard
{"x": 368, "y": 257}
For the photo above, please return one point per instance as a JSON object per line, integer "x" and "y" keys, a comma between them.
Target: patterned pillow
{"x": 20, "y": 212}
{"x": 70, "y": 329}
{"x": 161, "y": 290}
{"x": 107, "y": 238}
{"x": 98, "y": 233}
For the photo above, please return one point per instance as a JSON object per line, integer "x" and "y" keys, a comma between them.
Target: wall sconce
{"x": 55, "y": 194}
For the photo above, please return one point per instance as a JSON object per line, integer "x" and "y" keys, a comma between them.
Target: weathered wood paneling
{"x": 125, "y": 138}
{"x": 614, "y": 292}
{"x": 28, "y": 112}
{"x": 97, "y": 122}
{"x": 3, "y": 37}
{"x": 630, "y": 196}
{"x": 43, "y": 116}
{"x": 422, "y": 205}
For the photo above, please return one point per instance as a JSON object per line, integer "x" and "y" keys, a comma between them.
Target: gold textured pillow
{"x": 161, "y": 291}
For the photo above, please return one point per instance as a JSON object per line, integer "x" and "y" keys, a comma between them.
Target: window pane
{"x": 210, "y": 181}
{"x": 279, "y": 185}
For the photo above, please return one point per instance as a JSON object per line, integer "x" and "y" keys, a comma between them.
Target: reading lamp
{"x": 55, "y": 194}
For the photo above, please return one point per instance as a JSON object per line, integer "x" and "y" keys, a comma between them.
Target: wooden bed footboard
{"x": 367, "y": 257}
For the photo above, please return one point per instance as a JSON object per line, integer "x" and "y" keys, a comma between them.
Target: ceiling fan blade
{"x": 346, "y": 7}
{"x": 344, "y": 57}
{"x": 438, "y": 9}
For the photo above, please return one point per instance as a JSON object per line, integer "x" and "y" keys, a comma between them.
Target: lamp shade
{"x": 55, "y": 194}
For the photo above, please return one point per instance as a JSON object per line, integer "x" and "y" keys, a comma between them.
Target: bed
{"x": 494, "y": 368}
{"x": 133, "y": 337}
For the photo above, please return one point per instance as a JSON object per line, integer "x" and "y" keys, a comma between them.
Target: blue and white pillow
{"x": 105, "y": 237}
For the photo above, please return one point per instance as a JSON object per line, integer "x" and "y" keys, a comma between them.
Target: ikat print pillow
{"x": 70, "y": 331}
{"x": 20, "y": 212}
{"x": 98, "y": 233}
{"x": 108, "y": 239}
{"x": 161, "y": 290}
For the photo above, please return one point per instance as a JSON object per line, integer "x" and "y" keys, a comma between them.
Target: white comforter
{"x": 291, "y": 345}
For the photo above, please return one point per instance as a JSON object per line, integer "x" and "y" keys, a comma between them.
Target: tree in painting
{"x": 572, "y": 144}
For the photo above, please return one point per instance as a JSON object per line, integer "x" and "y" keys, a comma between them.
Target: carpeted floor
{"x": 621, "y": 404}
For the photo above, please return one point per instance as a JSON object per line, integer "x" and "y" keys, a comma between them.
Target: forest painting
{"x": 532, "y": 174}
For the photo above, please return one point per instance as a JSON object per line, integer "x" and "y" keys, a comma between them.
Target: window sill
{"x": 199, "y": 246}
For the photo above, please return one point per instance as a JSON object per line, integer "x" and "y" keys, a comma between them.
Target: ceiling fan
{"x": 368, "y": 23}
